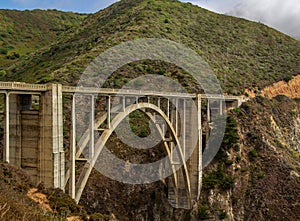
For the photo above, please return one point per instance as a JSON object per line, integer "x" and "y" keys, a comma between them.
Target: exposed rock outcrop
{"x": 290, "y": 89}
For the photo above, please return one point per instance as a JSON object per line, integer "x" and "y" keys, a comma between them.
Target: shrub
{"x": 281, "y": 98}
{"x": 252, "y": 154}
{"x": 139, "y": 124}
{"x": 117, "y": 82}
{"x": 287, "y": 78}
{"x": 99, "y": 217}
{"x": 231, "y": 136}
{"x": 227, "y": 182}
{"x": 13, "y": 56}
{"x": 218, "y": 178}
{"x": 203, "y": 212}
{"x": 236, "y": 110}
{"x": 223, "y": 214}
{"x": 61, "y": 203}
{"x": 3, "y": 51}
{"x": 246, "y": 107}
{"x": 261, "y": 175}
{"x": 2, "y": 73}
{"x": 252, "y": 136}
{"x": 234, "y": 200}
{"x": 4, "y": 35}
{"x": 244, "y": 169}
{"x": 228, "y": 162}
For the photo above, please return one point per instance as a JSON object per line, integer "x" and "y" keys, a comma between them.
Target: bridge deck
{"x": 20, "y": 87}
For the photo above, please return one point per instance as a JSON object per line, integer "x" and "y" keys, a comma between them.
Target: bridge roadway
{"x": 31, "y": 136}
{"x": 20, "y": 87}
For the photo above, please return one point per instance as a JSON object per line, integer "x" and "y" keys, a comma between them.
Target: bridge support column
{"x": 51, "y": 152}
{"x": 6, "y": 130}
{"x": 194, "y": 142}
{"x": 72, "y": 181}
{"x": 13, "y": 129}
{"x": 208, "y": 111}
{"x": 92, "y": 129}
{"x": 221, "y": 107}
{"x": 199, "y": 106}
{"x": 108, "y": 107}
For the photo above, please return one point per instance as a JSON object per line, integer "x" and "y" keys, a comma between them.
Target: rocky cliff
{"x": 290, "y": 88}
{"x": 264, "y": 165}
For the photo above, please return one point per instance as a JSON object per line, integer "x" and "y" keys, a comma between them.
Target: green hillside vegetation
{"x": 242, "y": 53}
{"x": 22, "y": 32}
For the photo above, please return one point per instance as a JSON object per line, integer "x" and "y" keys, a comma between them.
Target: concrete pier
{"x": 34, "y": 139}
{"x": 51, "y": 153}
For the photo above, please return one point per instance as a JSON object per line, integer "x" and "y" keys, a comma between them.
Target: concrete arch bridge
{"x": 33, "y": 121}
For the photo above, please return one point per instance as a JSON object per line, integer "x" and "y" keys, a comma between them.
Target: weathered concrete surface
{"x": 51, "y": 153}
{"x": 36, "y": 137}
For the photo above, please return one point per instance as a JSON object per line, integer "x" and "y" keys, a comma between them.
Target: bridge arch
{"x": 100, "y": 145}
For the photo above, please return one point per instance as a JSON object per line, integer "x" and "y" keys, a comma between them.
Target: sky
{"x": 282, "y": 15}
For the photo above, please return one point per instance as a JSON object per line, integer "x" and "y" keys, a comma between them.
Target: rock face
{"x": 290, "y": 89}
{"x": 270, "y": 140}
{"x": 265, "y": 166}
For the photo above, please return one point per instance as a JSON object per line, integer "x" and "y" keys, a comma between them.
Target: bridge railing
{"x": 110, "y": 91}
{"x": 22, "y": 86}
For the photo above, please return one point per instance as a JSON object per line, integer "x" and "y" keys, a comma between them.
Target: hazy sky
{"x": 283, "y": 15}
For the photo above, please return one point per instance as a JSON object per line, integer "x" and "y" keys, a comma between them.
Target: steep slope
{"x": 263, "y": 165}
{"x": 242, "y": 53}
{"x": 20, "y": 201}
{"x": 22, "y": 32}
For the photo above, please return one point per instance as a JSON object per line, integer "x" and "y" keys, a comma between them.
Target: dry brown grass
{"x": 14, "y": 202}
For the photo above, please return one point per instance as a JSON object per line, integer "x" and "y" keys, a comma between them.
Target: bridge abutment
{"x": 35, "y": 137}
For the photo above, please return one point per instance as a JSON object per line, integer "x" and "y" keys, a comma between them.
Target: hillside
{"x": 23, "y": 32}
{"x": 242, "y": 53}
{"x": 20, "y": 200}
{"x": 255, "y": 176}
{"x": 264, "y": 164}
